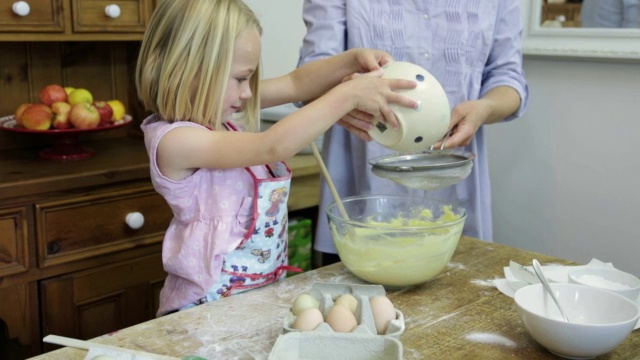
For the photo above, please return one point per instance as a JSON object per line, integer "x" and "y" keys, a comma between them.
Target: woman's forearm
{"x": 505, "y": 101}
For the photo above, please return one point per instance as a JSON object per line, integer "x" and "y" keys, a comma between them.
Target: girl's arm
{"x": 186, "y": 149}
{"x": 315, "y": 78}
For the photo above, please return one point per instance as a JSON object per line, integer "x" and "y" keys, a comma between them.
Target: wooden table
{"x": 457, "y": 315}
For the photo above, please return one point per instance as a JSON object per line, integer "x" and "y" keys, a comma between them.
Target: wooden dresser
{"x": 74, "y": 20}
{"x": 569, "y": 12}
{"x": 74, "y": 260}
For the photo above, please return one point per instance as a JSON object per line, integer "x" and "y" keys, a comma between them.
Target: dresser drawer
{"x": 13, "y": 241}
{"x": 42, "y": 16}
{"x": 94, "y": 225}
{"x": 90, "y": 16}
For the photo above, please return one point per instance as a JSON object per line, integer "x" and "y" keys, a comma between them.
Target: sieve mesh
{"x": 427, "y": 170}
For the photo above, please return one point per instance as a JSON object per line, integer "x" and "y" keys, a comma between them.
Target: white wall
{"x": 566, "y": 176}
{"x": 283, "y": 30}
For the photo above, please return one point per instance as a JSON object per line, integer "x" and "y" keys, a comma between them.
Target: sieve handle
{"x": 327, "y": 177}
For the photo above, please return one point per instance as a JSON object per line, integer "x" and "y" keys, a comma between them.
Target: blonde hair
{"x": 185, "y": 60}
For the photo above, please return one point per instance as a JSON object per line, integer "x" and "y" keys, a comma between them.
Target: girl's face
{"x": 246, "y": 55}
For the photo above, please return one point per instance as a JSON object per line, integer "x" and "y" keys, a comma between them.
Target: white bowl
{"x": 609, "y": 279}
{"x": 599, "y": 320}
{"x": 419, "y": 128}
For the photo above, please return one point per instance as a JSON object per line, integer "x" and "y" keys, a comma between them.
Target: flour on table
{"x": 488, "y": 338}
{"x": 483, "y": 282}
{"x": 456, "y": 265}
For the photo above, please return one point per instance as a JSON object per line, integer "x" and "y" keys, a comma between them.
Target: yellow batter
{"x": 393, "y": 255}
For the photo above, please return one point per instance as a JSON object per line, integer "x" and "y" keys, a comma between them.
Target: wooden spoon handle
{"x": 327, "y": 177}
{"x": 86, "y": 345}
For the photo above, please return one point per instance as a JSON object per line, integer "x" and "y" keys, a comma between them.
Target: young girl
{"x": 199, "y": 71}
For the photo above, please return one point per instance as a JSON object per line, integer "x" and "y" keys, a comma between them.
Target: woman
{"x": 472, "y": 47}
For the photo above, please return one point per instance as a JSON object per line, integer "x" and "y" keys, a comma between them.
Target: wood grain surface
{"x": 457, "y": 315}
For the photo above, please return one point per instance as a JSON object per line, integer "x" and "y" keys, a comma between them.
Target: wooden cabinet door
{"x": 95, "y": 302}
{"x": 90, "y": 16}
{"x": 13, "y": 241}
{"x": 44, "y": 16}
{"x": 94, "y": 225}
{"x": 19, "y": 322}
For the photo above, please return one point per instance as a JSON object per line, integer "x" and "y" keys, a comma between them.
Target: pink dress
{"x": 214, "y": 211}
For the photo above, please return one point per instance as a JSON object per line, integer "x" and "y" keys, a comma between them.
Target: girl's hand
{"x": 358, "y": 122}
{"x": 371, "y": 97}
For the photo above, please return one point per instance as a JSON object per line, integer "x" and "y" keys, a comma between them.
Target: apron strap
{"x": 268, "y": 278}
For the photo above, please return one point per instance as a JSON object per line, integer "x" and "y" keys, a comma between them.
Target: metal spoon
{"x": 545, "y": 283}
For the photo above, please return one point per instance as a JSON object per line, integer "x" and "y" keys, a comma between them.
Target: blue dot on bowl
{"x": 420, "y": 77}
{"x": 418, "y": 139}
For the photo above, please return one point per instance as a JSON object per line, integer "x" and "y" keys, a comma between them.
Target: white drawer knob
{"x": 135, "y": 220}
{"x": 21, "y": 8}
{"x": 112, "y": 11}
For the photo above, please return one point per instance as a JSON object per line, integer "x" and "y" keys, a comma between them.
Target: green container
{"x": 300, "y": 254}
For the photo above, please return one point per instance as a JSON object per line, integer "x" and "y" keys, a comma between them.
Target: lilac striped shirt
{"x": 470, "y": 46}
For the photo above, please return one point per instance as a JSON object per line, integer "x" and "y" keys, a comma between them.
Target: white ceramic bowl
{"x": 609, "y": 279}
{"x": 599, "y": 320}
{"x": 396, "y": 241}
{"x": 419, "y": 128}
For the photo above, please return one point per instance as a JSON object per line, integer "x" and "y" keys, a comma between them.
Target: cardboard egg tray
{"x": 326, "y": 293}
{"x": 325, "y": 345}
{"x": 322, "y": 342}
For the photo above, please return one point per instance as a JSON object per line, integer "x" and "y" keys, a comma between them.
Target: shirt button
{"x": 427, "y": 55}
{"x": 426, "y": 16}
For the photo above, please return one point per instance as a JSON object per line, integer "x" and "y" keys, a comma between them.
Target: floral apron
{"x": 262, "y": 256}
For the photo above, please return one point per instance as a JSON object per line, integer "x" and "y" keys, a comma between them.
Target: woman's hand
{"x": 367, "y": 60}
{"x": 466, "y": 119}
{"x": 468, "y": 116}
{"x": 358, "y": 123}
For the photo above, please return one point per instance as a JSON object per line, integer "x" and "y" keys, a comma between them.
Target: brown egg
{"x": 383, "y": 313}
{"x": 308, "y": 319}
{"x": 341, "y": 319}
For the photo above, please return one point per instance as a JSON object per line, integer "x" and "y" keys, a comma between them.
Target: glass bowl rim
{"x": 359, "y": 224}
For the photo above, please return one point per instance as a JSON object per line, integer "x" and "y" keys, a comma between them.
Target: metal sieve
{"x": 425, "y": 170}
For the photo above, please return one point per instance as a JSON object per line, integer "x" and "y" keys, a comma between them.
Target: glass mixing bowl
{"x": 395, "y": 241}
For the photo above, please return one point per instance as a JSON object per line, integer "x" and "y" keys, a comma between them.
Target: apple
{"x": 68, "y": 89}
{"x": 84, "y": 116}
{"x": 52, "y": 93}
{"x": 118, "y": 109}
{"x": 37, "y": 117}
{"x": 61, "y": 112}
{"x": 105, "y": 110}
{"x": 19, "y": 112}
{"x": 80, "y": 95}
